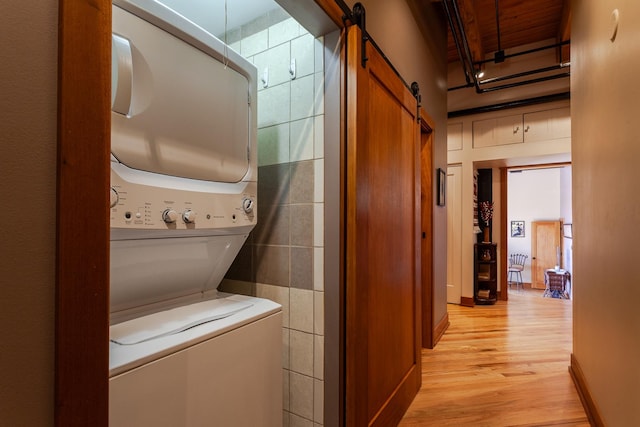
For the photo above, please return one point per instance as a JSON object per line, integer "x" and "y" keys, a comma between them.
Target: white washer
{"x": 183, "y": 201}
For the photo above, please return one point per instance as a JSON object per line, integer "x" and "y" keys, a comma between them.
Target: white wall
{"x": 606, "y": 222}
{"x": 28, "y": 79}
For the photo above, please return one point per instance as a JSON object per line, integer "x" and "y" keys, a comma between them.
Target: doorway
{"x": 542, "y": 195}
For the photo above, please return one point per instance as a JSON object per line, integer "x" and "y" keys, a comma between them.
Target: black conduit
{"x": 468, "y": 65}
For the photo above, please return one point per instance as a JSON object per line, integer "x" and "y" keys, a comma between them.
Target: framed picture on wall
{"x": 442, "y": 189}
{"x": 517, "y": 228}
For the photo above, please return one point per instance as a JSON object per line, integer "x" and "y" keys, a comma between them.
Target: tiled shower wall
{"x": 283, "y": 257}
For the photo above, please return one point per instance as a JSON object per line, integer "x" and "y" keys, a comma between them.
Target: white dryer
{"x": 183, "y": 201}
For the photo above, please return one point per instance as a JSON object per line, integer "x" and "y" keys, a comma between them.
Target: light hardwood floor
{"x": 501, "y": 365}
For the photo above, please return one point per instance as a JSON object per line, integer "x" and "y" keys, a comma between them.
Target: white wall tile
{"x": 273, "y": 105}
{"x": 296, "y": 421}
{"x": 301, "y": 316}
{"x": 318, "y": 224}
{"x": 273, "y": 145}
{"x": 286, "y": 348}
{"x": 318, "y": 401}
{"x": 318, "y": 91}
{"x": 302, "y": 351}
{"x": 286, "y": 389}
{"x": 318, "y": 180}
{"x": 302, "y": 97}
{"x": 301, "y": 140}
{"x": 318, "y": 313}
{"x": 318, "y": 357}
{"x": 283, "y": 32}
{"x": 301, "y": 395}
{"x": 318, "y": 47}
{"x": 277, "y": 60}
{"x": 318, "y": 137}
{"x": 278, "y": 294}
{"x": 302, "y": 50}
{"x": 318, "y": 269}
{"x": 255, "y": 43}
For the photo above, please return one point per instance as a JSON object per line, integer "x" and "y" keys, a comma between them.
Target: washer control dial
{"x": 169, "y": 216}
{"x": 247, "y": 205}
{"x": 189, "y": 216}
{"x": 114, "y": 197}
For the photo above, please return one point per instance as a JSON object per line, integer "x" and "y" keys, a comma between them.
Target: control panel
{"x": 148, "y": 207}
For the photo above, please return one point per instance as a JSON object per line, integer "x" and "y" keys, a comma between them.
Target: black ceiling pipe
{"x": 522, "y": 74}
{"x": 526, "y": 52}
{"x": 511, "y": 104}
{"x": 456, "y": 42}
{"x": 470, "y": 64}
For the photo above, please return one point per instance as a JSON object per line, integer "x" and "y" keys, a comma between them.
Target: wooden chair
{"x": 516, "y": 265}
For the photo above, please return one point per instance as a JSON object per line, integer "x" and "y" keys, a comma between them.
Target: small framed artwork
{"x": 517, "y": 228}
{"x": 442, "y": 187}
{"x": 567, "y": 231}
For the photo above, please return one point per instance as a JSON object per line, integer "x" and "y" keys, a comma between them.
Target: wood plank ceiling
{"x": 520, "y": 22}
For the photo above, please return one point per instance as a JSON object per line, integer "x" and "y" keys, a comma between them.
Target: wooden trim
{"x": 504, "y": 236}
{"x": 424, "y": 189}
{"x": 393, "y": 410}
{"x": 470, "y": 23}
{"x": 467, "y": 301}
{"x": 583, "y": 391}
{"x": 564, "y": 31}
{"x": 440, "y": 328}
{"x": 355, "y": 406}
{"x": 82, "y": 224}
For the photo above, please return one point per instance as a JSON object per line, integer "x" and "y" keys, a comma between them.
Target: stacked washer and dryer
{"x": 183, "y": 201}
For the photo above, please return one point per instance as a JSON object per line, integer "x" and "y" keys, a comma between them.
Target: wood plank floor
{"x": 501, "y": 365}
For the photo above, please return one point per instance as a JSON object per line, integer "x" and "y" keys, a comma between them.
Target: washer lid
{"x": 173, "y": 321}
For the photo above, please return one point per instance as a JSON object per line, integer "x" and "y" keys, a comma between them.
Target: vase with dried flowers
{"x": 486, "y": 213}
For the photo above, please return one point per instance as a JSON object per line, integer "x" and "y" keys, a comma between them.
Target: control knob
{"x": 189, "y": 216}
{"x": 247, "y": 205}
{"x": 169, "y": 216}
{"x": 114, "y": 197}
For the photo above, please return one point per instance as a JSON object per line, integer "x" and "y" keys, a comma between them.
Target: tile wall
{"x": 284, "y": 256}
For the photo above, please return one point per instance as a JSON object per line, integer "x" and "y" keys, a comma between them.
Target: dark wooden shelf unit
{"x": 485, "y": 273}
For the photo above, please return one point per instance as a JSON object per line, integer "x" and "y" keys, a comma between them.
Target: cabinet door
{"x": 454, "y": 136}
{"x": 497, "y": 131}
{"x": 548, "y": 124}
{"x": 546, "y": 244}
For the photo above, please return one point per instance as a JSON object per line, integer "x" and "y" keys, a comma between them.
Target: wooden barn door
{"x": 382, "y": 232}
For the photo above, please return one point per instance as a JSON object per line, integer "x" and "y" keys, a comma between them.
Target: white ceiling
{"x": 210, "y": 14}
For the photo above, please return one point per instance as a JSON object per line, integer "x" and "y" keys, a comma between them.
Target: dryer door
{"x": 177, "y": 111}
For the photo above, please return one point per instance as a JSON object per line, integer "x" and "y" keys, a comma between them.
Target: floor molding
{"x": 467, "y": 301}
{"x": 440, "y": 329}
{"x": 583, "y": 391}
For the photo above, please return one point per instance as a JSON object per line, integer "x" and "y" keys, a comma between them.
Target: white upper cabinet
{"x": 548, "y": 124}
{"x": 522, "y": 128}
{"x": 454, "y": 136}
{"x": 497, "y": 131}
